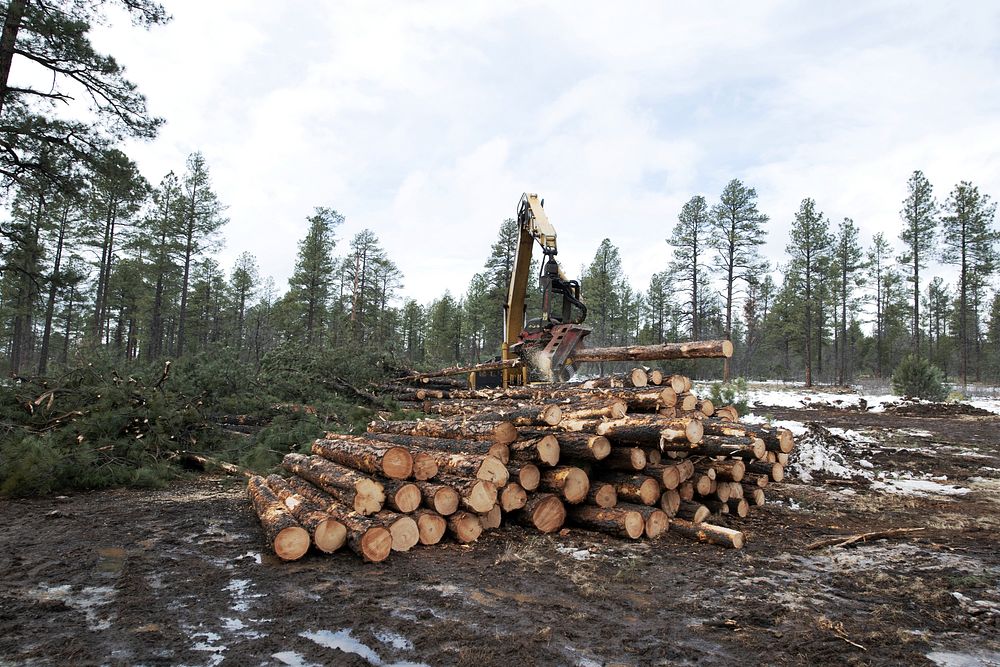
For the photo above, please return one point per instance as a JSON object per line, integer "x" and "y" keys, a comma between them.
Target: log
{"x": 486, "y": 367}
{"x": 491, "y": 519}
{"x": 613, "y": 520}
{"x": 583, "y": 446}
{"x": 494, "y": 431}
{"x": 715, "y": 445}
{"x": 546, "y": 415}
{"x": 730, "y": 470}
{"x": 449, "y": 445}
{"x": 775, "y": 471}
{"x": 703, "y": 484}
{"x": 738, "y": 506}
{"x": 728, "y": 413}
{"x": 656, "y": 520}
{"x": 441, "y": 498}
{"x": 570, "y": 482}
{"x": 650, "y": 430}
{"x": 653, "y": 455}
{"x": 465, "y": 527}
{"x": 706, "y": 407}
{"x": 686, "y": 490}
{"x": 365, "y": 536}
{"x": 285, "y": 536}
{"x": 375, "y": 458}
{"x": 635, "y": 378}
{"x": 679, "y": 383}
{"x": 364, "y": 495}
{"x": 642, "y": 400}
{"x": 670, "y": 501}
{"x": 526, "y": 474}
{"x": 777, "y": 440}
{"x": 639, "y": 489}
{"x": 476, "y": 466}
{"x": 430, "y": 525}
{"x": 625, "y": 459}
{"x": 328, "y": 534}
{"x": 544, "y": 511}
{"x": 513, "y": 497}
{"x": 705, "y": 532}
{"x": 655, "y": 376}
{"x": 686, "y": 402}
{"x": 669, "y": 476}
{"x": 401, "y": 496}
{"x": 475, "y": 495}
{"x": 708, "y": 349}
{"x": 544, "y": 450}
{"x": 402, "y": 528}
{"x": 754, "y": 494}
{"x": 424, "y": 466}
{"x": 602, "y": 494}
{"x": 756, "y": 479}
{"x": 613, "y": 409}
{"x": 692, "y": 511}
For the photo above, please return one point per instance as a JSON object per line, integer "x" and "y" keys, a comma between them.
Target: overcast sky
{"x": 426, "y": 121}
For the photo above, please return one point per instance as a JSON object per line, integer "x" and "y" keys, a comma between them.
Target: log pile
{"x": 634, "y": 456}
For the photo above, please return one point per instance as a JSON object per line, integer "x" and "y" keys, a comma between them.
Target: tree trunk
{"x": 365, "y": 495}
{"x": 544, "y": 511}
{"x": 710, "y": 349}
{"x": 616, "y": 520}
{"x": 441, "y": 498}
{"x": 375, "y": 458}
{"x": 496, "y": 431}
{"x": 570, "y": 482}
{"x": 705, "y": 532}
{"x": 328, "y": 534}
{"x": 50, "y": 306}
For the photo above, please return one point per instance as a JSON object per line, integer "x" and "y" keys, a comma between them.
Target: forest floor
{"x": 179, "y": 576}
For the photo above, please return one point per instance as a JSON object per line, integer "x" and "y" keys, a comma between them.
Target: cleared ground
{"x": 178, "y": 576}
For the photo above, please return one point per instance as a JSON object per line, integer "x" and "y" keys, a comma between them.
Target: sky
{"x": 425, "y": 121}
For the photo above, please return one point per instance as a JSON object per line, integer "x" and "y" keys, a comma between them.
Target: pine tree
{"x": 848, "y": 260}
{"x": 309, "y": 286}
{"x": 920, "y": 222}
{"x": 809, "y": 247}
{"x": 243, "y": 282}
{"x": 602, "y": 284}
{"x": 690, "y": 242}
{"x": 737, "y": 233}
{"x": 969, "y": 242}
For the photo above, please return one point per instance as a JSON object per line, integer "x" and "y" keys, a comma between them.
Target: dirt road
{"x": 179, "y": 577}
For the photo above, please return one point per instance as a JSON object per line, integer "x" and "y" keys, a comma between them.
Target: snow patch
{"x": 87, "y": 600}
{"x": 577, "y": 554}
{"x": 343, "y": 640}
{"x": 918, "y": 487}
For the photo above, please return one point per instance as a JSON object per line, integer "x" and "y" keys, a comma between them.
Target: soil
{"x": 180, "y": 576}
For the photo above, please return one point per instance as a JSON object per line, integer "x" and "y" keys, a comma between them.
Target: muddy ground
{"x": 180, "y": 577}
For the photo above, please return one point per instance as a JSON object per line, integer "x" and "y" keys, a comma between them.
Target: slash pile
{"x": 631, "y": 456}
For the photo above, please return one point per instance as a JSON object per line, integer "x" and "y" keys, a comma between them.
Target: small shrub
{"x": 918, "y": 378}
{"x": 735, "y": 393}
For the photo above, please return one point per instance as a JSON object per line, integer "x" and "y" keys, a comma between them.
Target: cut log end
{"x": 424, "y": 466}
{"x": 513, "y": 497}
{"x": 551, "y": 415}
{"x": 431, "y": 527}
{"x": 397, "y": 463}
{"x": 493, "y": 470}
{"x": 603, "y": 495}
{"x": 445, "y": 501}
{"x": 291, "y": 543}
{"x": 600, "y": 446}
{"x": 656, "y": 523}
{"x": 329, "y": 535}
{"x": 548, "y": 450}
{"x": 546, "y": 512}
{"x": 465, "y": 527}
{"x": 404, "y": 534}
{"x": 376, "y": 544}
{"x": 407, "y": 498}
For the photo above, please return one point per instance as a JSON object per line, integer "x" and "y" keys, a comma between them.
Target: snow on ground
{"x": 918, "y": 487}
{"x": 795, "y": 395}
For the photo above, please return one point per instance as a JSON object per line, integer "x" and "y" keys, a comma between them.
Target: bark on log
{"x": 754, "y": 494}
{"x": 602, "y": 494}
{"x": 449, "y": 445}
{"x": 545, "y": 415}
{"x": 612, "y": 409}
{"x": 285, "y": 536}
{"x": 655, "y": 377}
{"x": 775, "y": 471}
{"x": 441, "y": 498}
{"x": 756, "y": 479}
{"x": 544, "y": 511}
{"x": 364, "y": 495}
{"x": 708, "y": 349}
{"x": 634, "y": 378}
{"x": 526, "y": 474}
{"x": 692, "y": 511}
{"x": 730, "y": 470}
{"x": 476, "y": 466}
{"x": 543, "y": 449}
{"x": 501, "y": 431}
{"x": 617, "y": 521}
{"x": 775, "y": 439}
{"x": 656, "y": 520}
{"x": 513, "y": 497}
{"x": 372, "y": 457}
{"x": 365, "y": 536}
{"x": 475, "y": 495}
{"x": 402, "y": 528}
{"x": 465, "y": 527}
{"x": 719, "y": 445}
{"x": 430, "y": 525}
{"x": 686, "y": 402}
{"x": 650, "y": 430}
{"x": 583, "y": 446}
{"x": 653, "y": 455}
{"x": 485, "y": 367}
{"x": 639, "y": 489}
{"x": 570, "y": 482}
{"x": 626, "y": 459}
{"x": 327, "y": 533}
{"x": 705, "y": 532}
{"x": 706, "y": 407}
{"x": 738, "y": 506}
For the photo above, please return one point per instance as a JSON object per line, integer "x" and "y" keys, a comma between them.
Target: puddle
{"x": 344, "y": 641}
{"x": 395, "y": 640}
{"x": 110, "y": 560}
{"x": 86, "y": 601}
{"x": 238, "y": 588}
{"x": 958, "y": 659}
{"x": 292, "y": 659}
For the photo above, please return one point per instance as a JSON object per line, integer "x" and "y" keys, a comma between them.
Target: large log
{"x": 718, "y": 445}
{"x": 570, "y": 482}
{"x": 543, "y": 449}
{"x": 650, "y": 430}
{"x": 613, "y": 520}
{"x": 478, "y": 466}
{"x": 486, "y": 367}
{"x": 655, "y": 520}
{"x": 692, "y": 511}
{"x": 401, "y": 496}
{"x": 626, "y": 459}
{"x": 475, "y": 495}
{"x": 705, "y": 532}
{"x": 365, "y": 536}
{"x": 513, "y": 497}
{"x": 441, "y": 498}
{"x": 639, "y": 489}
{"x": 526, "y": 474}
{"x": 327, "y": 533}
{"x": 364, "y": 495}
{"x": 431, "y": 526}
{"x": 602, "y": 494}
{"x": 285, "y": 536}
{"x": 417, "y": 443}
{"x": 494, "y": 431}
{"x": 583, "y": 446}
{"x": 545, "y": 415}
{"x": 543, "y": 511}
{"x": 775, "y": 439}
{"x": 707, "y": 349}
{"x": 376, "y": 458}
{"x": 465, "y": 527}
{"x": 403, "y": 529}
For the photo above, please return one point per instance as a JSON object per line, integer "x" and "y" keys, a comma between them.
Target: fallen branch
{"x": 205, "y": 462}
{"x": 848, "y": 540}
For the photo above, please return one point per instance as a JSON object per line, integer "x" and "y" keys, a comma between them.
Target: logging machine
{"x": 546, "y": 342}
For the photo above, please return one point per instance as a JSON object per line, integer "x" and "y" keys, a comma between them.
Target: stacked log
{"x": 635, "y": 456}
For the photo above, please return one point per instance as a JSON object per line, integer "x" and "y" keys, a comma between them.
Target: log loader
{"x": 544, "y": 343}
